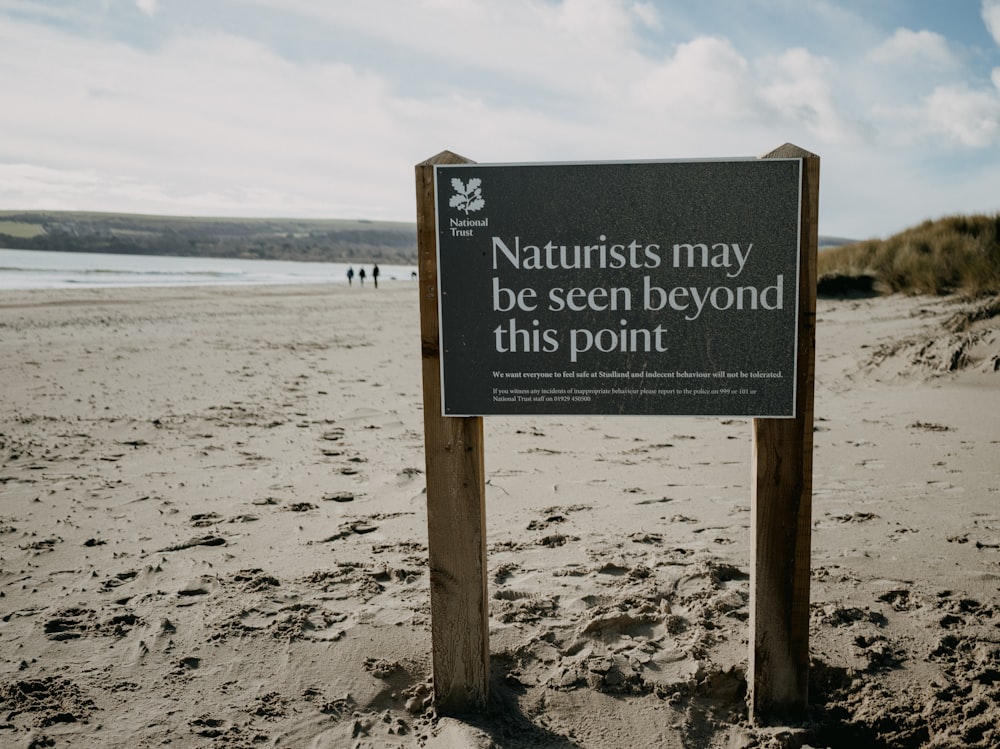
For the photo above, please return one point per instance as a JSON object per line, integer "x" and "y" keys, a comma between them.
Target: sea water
{"x": 33, "y": 269}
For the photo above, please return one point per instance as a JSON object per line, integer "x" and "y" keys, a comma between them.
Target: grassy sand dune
{"x": 958, "y": 254}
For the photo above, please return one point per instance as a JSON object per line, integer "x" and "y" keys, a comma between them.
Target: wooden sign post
{"x": 781, "y": 505}
{"x": 685, "y": 288}
{"x": 456, "y": 498}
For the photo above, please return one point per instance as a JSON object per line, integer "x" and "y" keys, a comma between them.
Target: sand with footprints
{"x": 213, "y": 534}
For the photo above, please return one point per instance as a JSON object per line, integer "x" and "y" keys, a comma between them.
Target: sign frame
{"x": 710, "y": 330}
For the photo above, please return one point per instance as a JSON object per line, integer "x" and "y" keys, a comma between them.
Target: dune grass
{"x": 957, "y": 254}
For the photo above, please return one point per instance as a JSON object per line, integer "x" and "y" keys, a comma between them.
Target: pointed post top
{"x": 788, "y": 151}
{"x": 445, "y": 157}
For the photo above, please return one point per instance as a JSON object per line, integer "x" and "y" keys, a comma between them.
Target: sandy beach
{"x": 213, "y": 534}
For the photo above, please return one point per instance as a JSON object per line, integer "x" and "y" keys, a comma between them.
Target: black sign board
{"x": 666, "y": 287}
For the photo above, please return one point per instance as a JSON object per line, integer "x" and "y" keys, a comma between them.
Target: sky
{"x": 322, "y": 108}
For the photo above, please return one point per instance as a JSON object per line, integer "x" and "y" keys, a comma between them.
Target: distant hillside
{"x": 826, "y": 243}
{"x": 325, "y": 240}
{"x": 955, "y": 254}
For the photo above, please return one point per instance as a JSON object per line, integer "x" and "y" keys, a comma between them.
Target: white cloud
{"x": 648, "y": 15}
{"x": 706, "y": 78}
{"x": 907, "y": 47}
{"x": 569, "y": 46}
{"x": 46, "y": 188}
{"x": 991, "y": 17}
{"x": 205, "y": 115}
{"x": 972, "y": 118}
{"x": 801, "y": 89}
{"x": 593, "y": 21}
{"x": 147, "y": 6}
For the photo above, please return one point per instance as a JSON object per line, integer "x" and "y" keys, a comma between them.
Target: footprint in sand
{"x": 209, "y": 540}
{"x": 338, "y": 497}
{"x": 74, "y": 623}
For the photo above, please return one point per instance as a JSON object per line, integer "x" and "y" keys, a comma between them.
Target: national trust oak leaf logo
{"x": 467, "y": 197}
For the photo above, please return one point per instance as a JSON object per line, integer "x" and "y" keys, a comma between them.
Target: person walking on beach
{"x": 361, "y": 276}
{"x": 375, "y": 276}
{"x": 350, "y": 276}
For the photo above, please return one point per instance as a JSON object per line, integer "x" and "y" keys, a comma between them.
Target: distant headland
{"x": 316, "y": 240}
